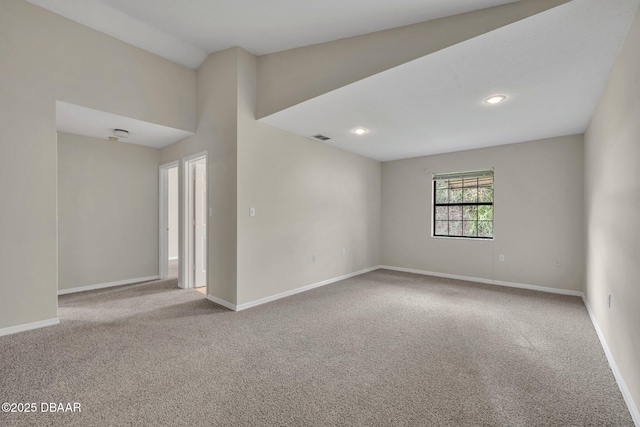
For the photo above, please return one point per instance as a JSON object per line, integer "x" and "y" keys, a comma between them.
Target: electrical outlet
{"x": 557, "y": 262}
{"x": 344, "y": 251}
{"x": 501, "y": 258}
{"x": 252, "y": 211}
{"x": 315, "y": 257}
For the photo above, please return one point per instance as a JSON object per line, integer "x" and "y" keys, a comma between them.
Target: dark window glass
{"x": 463, "y": 207}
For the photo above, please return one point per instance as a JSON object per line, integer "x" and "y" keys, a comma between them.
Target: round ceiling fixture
{"x": 495, "y": 99}
{"x": 121, "y": 133}
{"x": 359, "y": 131}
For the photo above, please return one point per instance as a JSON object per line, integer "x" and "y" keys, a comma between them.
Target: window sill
{"x": 474, "y": 239}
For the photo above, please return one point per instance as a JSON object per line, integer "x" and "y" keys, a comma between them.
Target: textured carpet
{"x": 172, "y": 268}
{"x": 380, "y": 349}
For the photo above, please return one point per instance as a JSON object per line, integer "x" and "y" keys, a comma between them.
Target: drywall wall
{"x": 107, "y": 211}
{"x": 293, "y": 76}
{"x": 612, "y": 209}
{"x": 173, "y": 220}
{"x": 44, "y": 58}
{"x": 538, "y": 214}
{"x": 309, "y": 198}
{"x": 216, "y": 133}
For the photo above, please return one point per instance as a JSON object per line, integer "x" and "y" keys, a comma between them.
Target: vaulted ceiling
{"x": 187, "y": 31}
{"x": 552, "y": 66}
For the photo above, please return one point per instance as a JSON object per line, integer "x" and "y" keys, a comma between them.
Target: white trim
{"x": 163, "y": 208}
{"x": 106, "y": 285}
{"x": 195, "y": 156}
{"x": 173, "y": 258}
{"x": 185, "y": 281}
{"x": 487, "y": 281}
{"x": 184, "y": 190}
{"x": 626, "y": 394}
{"x": 222, "y": 302}
{"x": 162, "y": 221}
{"x": 29, "y": 326}
{"x": 57, "y": 222}
{"x": 302, "y": 289}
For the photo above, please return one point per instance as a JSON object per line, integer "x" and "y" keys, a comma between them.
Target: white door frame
{"x": 163, "y": 217}
{"x": 187, "y": 272}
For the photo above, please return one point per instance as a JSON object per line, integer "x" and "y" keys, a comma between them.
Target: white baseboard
{"x": 302, "y": 289}
{"x": 487, "y": 281}
{"x": 106, "y": 285}
{"x": 222, "y": 302}
{"x": 28, "y": 326}
{"x": 173, "y": 258}
{"x": 633, "y": 409}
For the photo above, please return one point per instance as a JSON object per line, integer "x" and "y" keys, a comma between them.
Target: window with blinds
{"x": 463, "y": 204}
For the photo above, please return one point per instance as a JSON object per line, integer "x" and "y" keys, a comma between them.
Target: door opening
{"x": 195, "y": 214}
{"x": 169, "y": 221}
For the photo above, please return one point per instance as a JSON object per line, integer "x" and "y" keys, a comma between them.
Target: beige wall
{"x": 173, "y": 219}
{"x": 612, "y": 207}
{"x": 44, "y": 58}
{"x": 310, "y": 198}
{"x": 216, "y": 133}
{"x": 538, "y": 214}
{"x": 282, "y": 176}
{"x": 107, "y": 211}
{"x": 293, "y": 76}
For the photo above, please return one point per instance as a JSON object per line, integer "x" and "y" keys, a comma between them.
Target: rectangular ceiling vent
{"x": 320, "y": 137}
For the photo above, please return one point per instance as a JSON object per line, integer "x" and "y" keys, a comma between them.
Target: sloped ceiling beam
{"x": 290, "y": 77}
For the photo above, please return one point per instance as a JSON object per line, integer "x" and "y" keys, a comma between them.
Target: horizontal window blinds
{"x": 461, "y": 175}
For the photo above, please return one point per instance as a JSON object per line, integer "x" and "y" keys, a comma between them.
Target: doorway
{"x": 169, "y": 221}
{"x": 195, "y": 223}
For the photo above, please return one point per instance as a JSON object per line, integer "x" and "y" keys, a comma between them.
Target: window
{"x": 463, "y": 204}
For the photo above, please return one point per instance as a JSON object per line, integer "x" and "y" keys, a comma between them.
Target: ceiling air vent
{"x": 320, "y": 137}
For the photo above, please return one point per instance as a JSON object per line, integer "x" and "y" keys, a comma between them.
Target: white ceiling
{"x": 80, "y": 120}
{"x": 553, "y": 66}
{"x": 186, "y": 31}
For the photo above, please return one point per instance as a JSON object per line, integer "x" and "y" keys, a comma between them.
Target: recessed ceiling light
{"x": 495, "y": 99}
{"x": 360, "y": 131}
{"x": 121, "y": 133}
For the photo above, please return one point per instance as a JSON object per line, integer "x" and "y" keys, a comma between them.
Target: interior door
{"x": 200, "y": 224}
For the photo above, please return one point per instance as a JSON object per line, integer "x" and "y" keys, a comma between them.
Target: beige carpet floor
{"x": 380, "y": 349}
{"x": 172, "y": 268}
